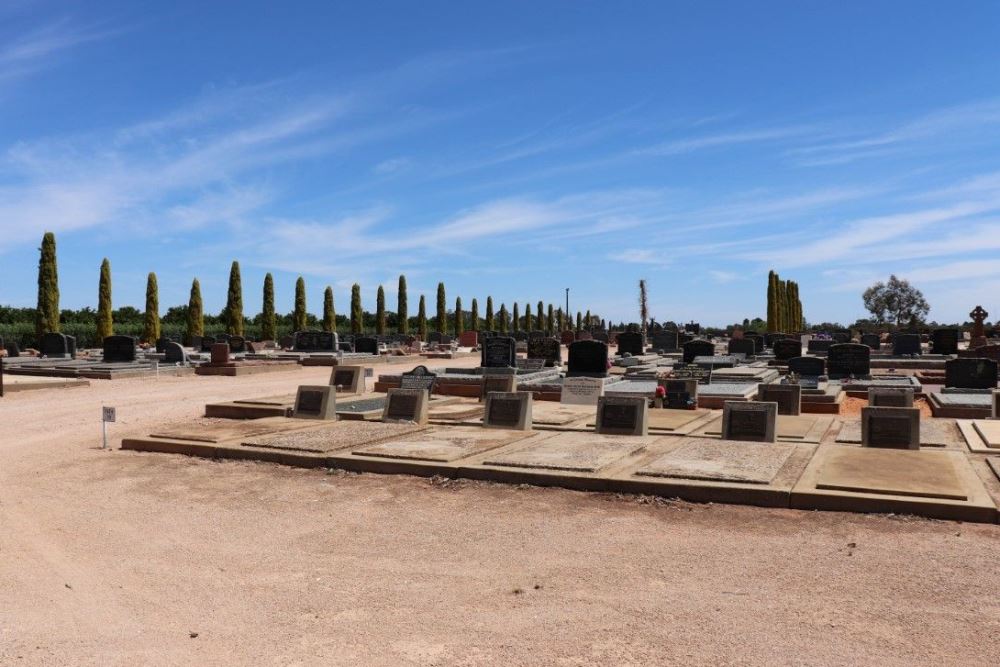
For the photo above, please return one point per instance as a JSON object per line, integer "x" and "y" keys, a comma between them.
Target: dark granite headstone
{"x": 13, "y": 349}
{"x": 758, "y": 342}
{"x": 945, "y": 341}
{"x": 665, "y": 340}
{"x": 970, "y": 373}
{"x": 174, "y": 353}
{"x": 906, "y": 344}
{"x": 418, "y": 378}
{"x": 237, "y": 344}
{"x": 698, "y": 348}
{"x": 819, "y": 346}
{"x": 54, "y": 345}
{"x": 434, "y": 337}
{"x": 874, "y": 341}
{"x": 587, "y": 358}
{"x": 119, "y": 348}
{"x": 365, "y": 345}
{"x": 314, "y": 341}
{"x": 498, "y": 352}
{"x": 841, "y": 337}
{"x": 681, "y": 394}
{"x": 785, "y": 349}
{"x": 206, "y": 343}
{"x": 787, "y": 396}
{"x": 402, "y": 406}
{"x": 567, "y": 337}
{"x": 547, "y": 349}
{"x": 846, "y": 359}
{"x": 744, "y": 346}
{"x": 630, "y": 342}
{"x": 286, "y": 342}
{"x": 807, "y": 366}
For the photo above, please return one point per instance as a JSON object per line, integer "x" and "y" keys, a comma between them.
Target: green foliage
{"x": 47, "y": 311}
{"x": 422, "y": 319}
{"x": 299, "y": 314}
{"x": 527, "y": 317}
{"x": 329, "y": 314}
{"x": 268, "y": 319}
{"x": 380, "y": 312}
{"x": 105, "y": 323}
{"x": 151, "y": 321}
{"x": 579, "y": 321}
{"x": 643, "y": 308}
{"x": 442, "y": 309}
{"x": 195, "y": 314}
{"x": 895, "y": 302}
{"x": 490, "y": 320}
{"x": 772, "y": 305}
{"x": 459, "y": 317}
{"x": 234, "y": 302}
{"x": 503, "y": 322}
{"x": 517, "y": 316}
{"x": 474, "y": 318}
{"x": 551, "y": 328}
{"x": 357, "y": 316}
{"x": 402, "y": 314}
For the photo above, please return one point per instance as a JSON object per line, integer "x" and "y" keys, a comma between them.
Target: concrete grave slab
{"x": 721, "y": 460}
{"x": 314, "y": 402}
{"x": 331, "y": 437}
{"x": 508, "y": 410}
{"x": 443, "y": 444}
{"x": 896, "y": 428}
{"x": 978, "y": 435}
{"x": 788, "y": 428}
{"x": 576, "y": 452}
{"x": 406, "y": 405}
{"x": 933, "y": 433}
{"x": 220, "y": 430}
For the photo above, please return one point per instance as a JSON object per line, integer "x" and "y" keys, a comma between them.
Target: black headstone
{"x": 665, "y": 340}
{"x": 418, "y": 378}
{"x": 874, "y": 341}
{"x": 119, "y": 348}
{"x": 206, "y": 343}
{"x": 237, "y": 344}
{"x": 744, "y": 346}
{"x": 906, "y": 344}
{"x": 970, "y": 373}
{"x": 55, "y": 345}
{"x": 844, "y": 359}
{"x": 587, "y": 358}
{"x": 13, "y": 349}
{"x": 786, "y": 348}
{"x": 547, "y": 349}
{"x": 819, "y": 345}
{"x": 807, "y": 366}
{"x": 174, "y": 353}
{"x": 630, "y": 342}
{"x": 945, "y": 341}
{"x": 498, "y": 352}
{"x": 315, "y": 341}
{"x": 698, "y": 348}
{"x": 365, "y": 345}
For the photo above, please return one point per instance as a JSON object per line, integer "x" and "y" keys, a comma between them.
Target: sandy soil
{"x": 121, "y": 558}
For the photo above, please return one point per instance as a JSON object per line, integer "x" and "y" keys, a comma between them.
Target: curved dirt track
{"x": 121, "y": 558}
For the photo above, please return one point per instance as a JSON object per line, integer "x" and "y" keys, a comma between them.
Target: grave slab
{"x": 789, "y": 428}
{"x": 721, "y": 461}
{"x": 443, "y": 445}
{"x": 328, "y": 438}
{"x": 933, "y": 433}
{"x": 574, "y": 452}
{"x": 982, "y": 436}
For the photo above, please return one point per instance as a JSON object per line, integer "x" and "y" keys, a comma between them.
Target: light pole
{"x": 567, "y": 302}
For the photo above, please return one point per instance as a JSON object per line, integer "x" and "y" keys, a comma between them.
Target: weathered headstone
{"x": 841, "y": 337}
{"x": 418, "y": 378}
{"x": 587, "y": 358}
{"x": 785, "y": 349}
{"x": 311, "y": 401}
{"x": 206, "y": 343}
{"x": 509, "y": 410}
{"x": 622, "y": 415}
{"x": 468, "y": 339}
{"x": 890, "y": 397}
{"x": 13, "y": 349}
{"x": 118, "y": 349}
{"x": 945, "y": 341}
{"x": 970, "y": 373}
{"x": 978, "y": 336}
{"x": 348, "y": 379}
{"x": 631, "y": 342}
{"x": 698, "y": 348}
{"x": 874, "y": 341}
{"x": 498, "y": 352}
{"x": 894, "y": 428}
{"x": 497, "y": 379}
{"x": 237, "y": 344}
{"x": 581, "y": 390}
{"x": 220, "y": 354}
{"x": 818, "y": 346}
{"x": 405, "y": 405}
{"x": 787, "y": 396}
{"x": 55, "y": 345}
{"x": 365, "y": 345}
{"x": 286, "y": 342}
{"x": 906, "y": 344}
{"x": 848, "y": 359}
{"x": 807, "y": 366}
{"x": 758, "y": 342}
{"x": 749, "y": 420}
{"x": 547, "y": 349}
{"x": 567, "y": 337}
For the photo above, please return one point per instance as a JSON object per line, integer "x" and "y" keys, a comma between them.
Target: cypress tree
{"x": 422, "y": 319}
{"x": 586, "y": 322}
{"x": 196, "y": 313}
{"x": 357, "y": 315}
{"x": 47, "y": 312}
{"x": 299, "y": 314}
{"x": 474, "y": 319}
{"x": 151, "y": 321}
{"x": 517, "y": 317}
{"x": 540, "y": 316}
{"x": 105, "y": 326}
{"x": 490, "y": 321}
{"x": 268, "y": 320}
{"x": 329, "y": 314}
{"x": 442, "y": 310}
{"x": 459, "y": 317}
{"x": 772, "y": 319}
{"x": 234, "y": 302}
{"x": 552, "y": 321}
{"x": 503, "y": 319}
{"x": 559, "y": 319}
{"x": 402, "y": 317}
{"x": 380, "y": 311}
{"x": 579, "y": 321}
{"x": 527, "y": 316}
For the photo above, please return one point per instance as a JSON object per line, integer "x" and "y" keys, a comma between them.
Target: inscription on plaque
{"x": 309, "y": 402}
{"x": 622, "y": 416}
{"x": 315, "y": 402}
{"x": 402, "y": 407}
{"x": 897, "y": 428}
{"x": 752, "y": 420}
{"x": 510, "y": 410}
{"x": 889, "y": 432}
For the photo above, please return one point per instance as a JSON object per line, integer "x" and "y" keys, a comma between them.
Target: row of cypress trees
{"x": 784, "y": 308}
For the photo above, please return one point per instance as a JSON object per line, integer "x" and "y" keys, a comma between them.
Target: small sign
{"x": 108, "y": 415}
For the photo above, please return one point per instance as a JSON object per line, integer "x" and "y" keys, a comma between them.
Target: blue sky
{"x": 508, "y": 149}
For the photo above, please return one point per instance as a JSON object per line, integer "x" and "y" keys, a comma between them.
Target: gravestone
{"x": 206, "y": 343}
{"x": 841, "y": 337}
{"x": 547, "y": 349}
{"x": 890, "y": 397}
{"x": 405, "y": 405}
{"x": 681, "y": 394}
{"x": 311, "y": 401}
{"x": 581, "y": 390}
{"x": 567, "y": 337}
{"x": 348, "y": 379}
{"x": 584, "y": 335}
{"x": 345, "y": 346}
{"x": 119, "y": 349}
{"x": 693, "y": 327}
{"x": 497, "y": 379}
{"x": 978, "y": 334}
{"x": 174, "y": 354}
{"x": 418, "y": 378}
{"x": 787, "y": 396}
{"x": 970, "y": 373}
{"x": 468, "y": 339}
{"x": 749, "y": 420}
{"x": 509, "y": 410}
{"x": 785, "y": 349}
{"x": 498, "y": 352}
{"x": 434, "y": 337}
{"x": 758, "y": 342}
{"x": 744, "y": 346}
{"x": 894, "y": 428}
{"x": 985, "y": 352}
{"x": 536, "y": 333}
{"x": 286, "y": 342}
{"x": 602, "y": 336}
{"x": 588, "y": 358}
{"x": 819, "y": 346}
{"x": 665, "y": 341}
{"x": 995, "y": 411}
{"x": 906, "y": 344}
{"x": 195, "y": 342}
{"x": 848, "y": 359}
{"x": 161, "y": 344}
{"x": 698, "y": 348}
{"x": 13, "y": 349}
{"x": 55, "y": 345}
{"x": 807, "y": 366}
{"x": 945, "y": 341}
{"x": 630, "y": 342}
{"x": 314, "y": 341}
{"x": 530, "y": 365}
{"x": 366, "y": 345}
{"x": 220, "y": 354}
{"x": 874, "y": 341}
{"x": 622, "y": 416}
{"x": 237, "y": 344}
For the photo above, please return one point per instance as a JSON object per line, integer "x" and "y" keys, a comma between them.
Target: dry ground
{"x": 120, "y": 558}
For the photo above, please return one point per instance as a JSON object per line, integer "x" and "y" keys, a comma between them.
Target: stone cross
{"x": 978, "y": 332}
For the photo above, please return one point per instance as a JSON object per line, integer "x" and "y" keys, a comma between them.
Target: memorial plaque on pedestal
{"x": 510, "y": 410}
{"x": 894, "y": 428}
{"x": 751, "y": 420}
{"x": 787, "y": 396}
{"x": 348, "y": 379}
{"x": 313, "y": 402}
{"x": 622, "y": 416}
{"x": 405, "y": 405}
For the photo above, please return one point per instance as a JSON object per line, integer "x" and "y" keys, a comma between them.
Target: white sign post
{"x": 107, "y": 415}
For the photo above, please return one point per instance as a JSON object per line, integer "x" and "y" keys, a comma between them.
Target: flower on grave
{"x": 661, "y": 392}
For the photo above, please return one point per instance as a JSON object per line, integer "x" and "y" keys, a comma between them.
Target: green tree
{"x": 579, "y": 321}
{"x": 268, "y": 319}
{"x": 357, "y": 315}
{"x": 299, "y": 314}
{"x": 380, "y": 312}
{"x": 47, "y": 312}
{"x": 896, "y": 302}
{"x": 422, "y": 319}
{"x": 151, "y": 320}
{"x": 772, "y": 305}
{"x": 551, "y": 329}
{"x": 474, "y": 318}
{"x": 459, "y": 317}
{"x": 517, "y": 316}
{"x": 234, "y": 302}
{"x": 195, "y": 313}
{"x": 329, "y": 314}
{"x": 540, "y": 317}
{"x": 105, "y": 324}
{"x": 643, "y": 308}
{"x": 490, "y": 321}
{"x": 402, "y": 317}
{"x": 442, "y": 309}
{"x": 527, "y": 316}
{"x": 588, "y": 323}
{"x": 503, "y": 323}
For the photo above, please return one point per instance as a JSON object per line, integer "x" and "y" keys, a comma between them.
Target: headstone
{"x": 55, "y": 345}
{"x": 286, "y": 342}
{"x": 785, "y": 349}
{"x": 890, "y": 397}
{"x": 807, "y": 366}
{"x": 119, "y": 349}
{"x": 681, "y": 394}
{"x": 493, "y": 380}
{"x": 498, "y": 352}
{"x": 758, "y": 342}
{"x": 749, "y": 420}
{"x": 698, "y": 348}
{"x": 174, "y": 354}
{"x": 314, "y": 341}
{"x": 311, "y": 401}
{"x": 630, "y": 342}
{"x": 995, "y": 412}
{"x": 206, "y": 343}
{"x": 468, "y": 339}
{"x": 536, "y": 333}
{"x": 978, "y": 335}
{"x": 13, "y": 349}
{"x": 587, "y": 358}
{"x": 744, "y": 346}
{"x": 945, "y": 341}
{"x": 547, "y": 349}
{"x": 874, "y": 341}
{"x": 531, "y": 365}
{"x": 584, "y": 335}
{"x": 509, "y": 410}
{"x": 418, "y": 378}
{"x": 970, "y": 373}
{"x": 894, "y": 428}
{"x": 787, "y": 396}
{"x": 220, "y": 354}
{"x": 665, "y": 341}
{"x": 348, "y": 379}
{"x": 434, "y": 337}
{"x": 622, "y": 416}
{"x": 365, "y": 345}
{"x": 405, "y": 405}
{"x": 581, "y": 390}
{"x": 819, "y": 346}
{"x": 567, "y": 337}
{"x": 848, "y": 359}
{"x": 693, "y": 327}
{"x": 602, "y": 336}
{"x": 841, "y": 337}
{"x": 161, "y": 344}
{"x": 237, "y": 344}
{"x": 345, "y": 346}
{"x": 906, "y": 344}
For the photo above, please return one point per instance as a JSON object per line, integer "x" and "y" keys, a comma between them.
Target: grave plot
{"x": 366, "y": 406}
{"x": 933, "y": 433}
{"x": 550, "y": 416}
{"x": 331, "y": 436}
{"x": 790, "y": 428}
{"x": 961, "y": 404}
{"x": 667, "y": 422}
{"x": 858, "y": 388}
{"x": 220, "y": 430}
{"x": 457, "y": 411}
{"x": 939, "y": 484}
{"x": 212, "y": 438}
{"x": 982, "y": 436}
{"x": 17, "y": 383}
{"x": 715, "y": 394}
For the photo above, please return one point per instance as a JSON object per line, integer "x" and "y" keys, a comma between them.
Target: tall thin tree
{"x": 516, "y": 325}
{"x": 268, "y": 318}
{"x": 422, "y": 319}
{"x": 442, "y": 309}
{"x": 195, "y": 314}
{"x": 47, "y": 312}
{"x": 380, "y": 312}
{"x": 234, "y": 302}
{"x": 402, "y": 316}
{"x": 490, "y": 320}
{"x": 459, "y": 317}
{"x": 151, "y": 320}
{"x": 299, "y": 314}
{"x": 643, "y": 308}
{"x": 357, "y": 315}
{"x": 105, "y": 325}
{"x": 474, "y": 317}
{"x": 551, "y": 328}
{"x": 329, "y": 314}
{"x": 502, "y": 324}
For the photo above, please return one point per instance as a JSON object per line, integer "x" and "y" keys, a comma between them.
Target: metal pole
{"x": 104, "y": 432}
{"x": 567, "y": 303}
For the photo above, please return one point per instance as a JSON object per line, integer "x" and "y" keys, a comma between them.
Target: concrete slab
{"x": 443, "y": 444}
{"x": 972, "y": 430}
{"x": 220, "y": 430}
{"x": 333, "y": 436}
{"x": 933, "y": 433}
{"x": 575, "y": 452}
{"x": 790, "y": 428}
{"x": 939, "y": 484}
{"x": 721, "y": 460}
{"x": 16, "y": 383}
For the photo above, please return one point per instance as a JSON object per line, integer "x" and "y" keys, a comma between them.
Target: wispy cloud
{"x": 39, "y": 47}
{"x": 729, "y": 139}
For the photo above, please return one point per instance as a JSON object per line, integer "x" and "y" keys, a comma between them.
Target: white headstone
{"x": 581, "y": 390}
